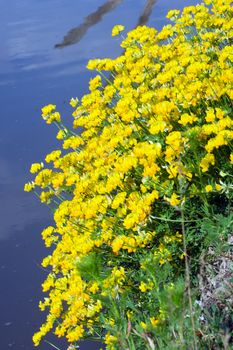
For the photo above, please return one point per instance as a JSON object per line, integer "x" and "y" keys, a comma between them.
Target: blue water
{"x": 44, "y": 48}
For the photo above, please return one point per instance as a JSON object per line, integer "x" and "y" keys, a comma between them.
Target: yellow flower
{"x": 187, "y": 119}
{"x": 37, "y": 338}
{"x": 95, "y": 83}
{"x": 46, "y": 110}
{"x": 60, "y": 135}
{"x": 74, "y": 102}
{"x": 53, "y": 117}
{"x": 209, "y": 188}
{"x": 117, "y": 29}
{"x": 154, "y": 321}
{"x": 218, "y": 187}
{"x": 110, "y": 339}
{"x": 146, "y": 286}
{"x": 35, "y": 167}
{"x": 29, "y": 186}
{"x": 45, "y": 197}
{"x": 174, "y": 200}
{"x": 210, "y": 115}
{"x": 118, "y": 200}
{"x": 92, "y": 64}
{"x": 75, "y": 334}
{"x": 231, "y": 158}
{"x": 173, "y": 13}
{"x": 208, "y": 160}
{"x": 143, "y": 325}
{"x": 54, "y": 155}
{"x": 143, "y": 287}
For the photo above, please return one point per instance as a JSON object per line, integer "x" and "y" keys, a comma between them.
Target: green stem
{"x": 187, "y": 277}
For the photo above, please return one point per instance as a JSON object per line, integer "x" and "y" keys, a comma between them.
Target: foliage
{"x": 134, "y": 191}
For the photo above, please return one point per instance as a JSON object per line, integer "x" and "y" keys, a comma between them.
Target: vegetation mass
{"x": 141, "y": 192}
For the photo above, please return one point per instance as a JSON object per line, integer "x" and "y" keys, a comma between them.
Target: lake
{"x": 44, "y": 48}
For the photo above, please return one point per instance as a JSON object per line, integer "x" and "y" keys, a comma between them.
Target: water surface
{"x": 44, "y": 48}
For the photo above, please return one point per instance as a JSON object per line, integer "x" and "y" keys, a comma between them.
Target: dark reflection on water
{"x": 76, "y": 34}
{"x": 144, "y": 17}
{"x": 32, "y": 74}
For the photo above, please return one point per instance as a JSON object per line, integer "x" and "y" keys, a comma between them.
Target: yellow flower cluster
{"x": 157, "y": 135}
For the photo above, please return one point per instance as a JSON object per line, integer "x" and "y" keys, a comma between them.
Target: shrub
{"x": 136, "y": 184}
